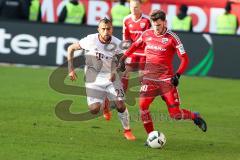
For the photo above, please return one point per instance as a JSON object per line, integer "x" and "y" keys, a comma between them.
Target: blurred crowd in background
{"x": 74, "y": 12}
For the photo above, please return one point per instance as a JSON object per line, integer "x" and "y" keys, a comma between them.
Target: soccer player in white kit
{"x": 100, "y": 71}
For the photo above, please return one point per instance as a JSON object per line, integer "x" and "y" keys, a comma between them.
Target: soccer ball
{"x": 156, "y": 139}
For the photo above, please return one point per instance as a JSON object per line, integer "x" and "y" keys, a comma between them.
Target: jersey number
{"x": 144, "y": 88}
{"x": 120, "y": 92}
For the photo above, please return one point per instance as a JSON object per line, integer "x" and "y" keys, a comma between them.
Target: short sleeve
{"x": 84, "y": 43}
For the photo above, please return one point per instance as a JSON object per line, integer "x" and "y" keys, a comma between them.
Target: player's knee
{"x": 175, "y": 112}
{"x": 120, "y": 106}
{"x": 94, "y": 109}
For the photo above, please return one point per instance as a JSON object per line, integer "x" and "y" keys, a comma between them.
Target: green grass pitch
{"x": 30, "y": 130}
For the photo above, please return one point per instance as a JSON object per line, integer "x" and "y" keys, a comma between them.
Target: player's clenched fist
{"x": 175, "y": 79}
{"x": 72, "y": 75}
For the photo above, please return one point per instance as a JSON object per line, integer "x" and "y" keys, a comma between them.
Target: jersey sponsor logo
{"x": 142, "y": 25}
{"x": 154, "y": 47}
{"x": 164, "y": 40}
{"x": 99, "y": 56}
{"x": 130, "y": 25}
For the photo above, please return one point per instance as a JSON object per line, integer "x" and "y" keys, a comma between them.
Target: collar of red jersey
{"x": 138, "y": 19}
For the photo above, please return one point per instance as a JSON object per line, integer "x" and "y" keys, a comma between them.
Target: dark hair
{"x": 105, "y": 20}
{"x": 228, "y": 7}
{"x": 158, "y": 14}
{"x": 122, "y": 2}
{"x": 183, "y": 8}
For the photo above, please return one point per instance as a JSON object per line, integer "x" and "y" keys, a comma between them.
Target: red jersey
{"x": 160, "y": 51}
{"x": 132, "y": 29}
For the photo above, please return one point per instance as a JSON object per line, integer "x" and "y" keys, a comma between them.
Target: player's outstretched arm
{"x": 71, "y": 49}
{"x": 130, "y": 51}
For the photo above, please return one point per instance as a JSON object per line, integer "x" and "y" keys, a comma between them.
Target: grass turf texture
{"x": 29, "y": 128}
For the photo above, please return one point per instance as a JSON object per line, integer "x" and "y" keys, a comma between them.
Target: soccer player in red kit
{"x": 133, "y": 26}
{"x": 159, "y": 79}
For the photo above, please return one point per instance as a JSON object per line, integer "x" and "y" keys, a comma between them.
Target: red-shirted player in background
{"x": 133, "y": 26}
{"x": 159, "y": 78}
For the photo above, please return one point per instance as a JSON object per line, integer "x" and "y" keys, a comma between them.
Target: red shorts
{"x": 151, "y": 89}
{"x": 137, "y": 62}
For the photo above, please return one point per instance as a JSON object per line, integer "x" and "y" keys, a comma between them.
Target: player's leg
{"x": 94, "y": 104}
{"x": 116, "y": 94}
{"x": 147, "y": 95}
{"x": 95, "y": 96}
{"x": 173, "y": 102}
{"x": 123, "y": 115}
{"x": 144, "y": 103}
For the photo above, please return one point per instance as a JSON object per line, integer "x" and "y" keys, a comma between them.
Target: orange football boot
{"x": 128, "y": 135}
{"x": 106, "y": 110}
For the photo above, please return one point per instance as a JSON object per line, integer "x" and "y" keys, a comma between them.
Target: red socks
{"x": 177, "y": 113}
{"x": 147, "y": 121}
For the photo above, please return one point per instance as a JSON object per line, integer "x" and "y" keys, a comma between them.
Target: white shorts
{"x": 100, "y": 89}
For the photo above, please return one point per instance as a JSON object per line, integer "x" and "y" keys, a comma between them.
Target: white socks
{"x": 124, "y": 118}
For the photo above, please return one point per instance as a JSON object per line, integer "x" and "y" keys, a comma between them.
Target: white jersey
{"x": 100, "y": 62}
{"x": 100, "y": 58}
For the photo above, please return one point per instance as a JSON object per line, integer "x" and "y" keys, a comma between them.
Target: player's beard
{"x": 105, "y": 38}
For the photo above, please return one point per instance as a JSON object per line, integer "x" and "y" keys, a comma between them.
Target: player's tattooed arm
{"x": 121, "y": 64}
{"x": 71, "y": 49}
{"x": 117, "y": 69}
